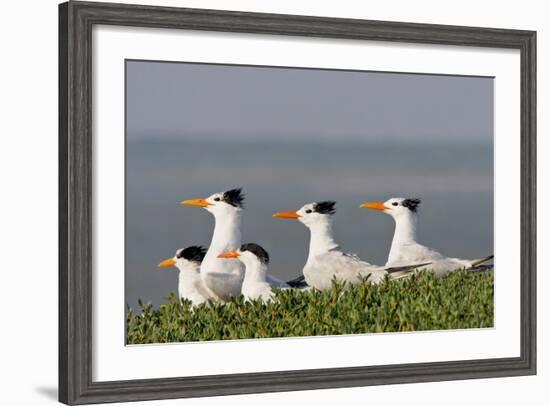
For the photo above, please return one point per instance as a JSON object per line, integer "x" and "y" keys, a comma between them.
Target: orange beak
{"x": 229, "y": 254}
{"x": 167, "y": 262}
{"x": 287, "y": 215}
{"x": 374, "y": 206}
{"x": 196, "y": 202}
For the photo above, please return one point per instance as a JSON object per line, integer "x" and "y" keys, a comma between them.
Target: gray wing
{"x": 415, "y": 253}
{"x": 276, "y": 282}
{"x": 347, "y": 267}
{"x": 204, "y": 291}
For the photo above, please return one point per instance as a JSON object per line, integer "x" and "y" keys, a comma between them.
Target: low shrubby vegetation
{"x": 460, "y": 300}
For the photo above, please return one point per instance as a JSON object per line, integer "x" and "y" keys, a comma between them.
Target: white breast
{"x": 257, "y": 290}
{"x": 223, "y": 276}
{"x": 191, "y": 287}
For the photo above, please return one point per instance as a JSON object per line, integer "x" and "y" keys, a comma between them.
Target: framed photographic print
{"x": 259, "y": 202}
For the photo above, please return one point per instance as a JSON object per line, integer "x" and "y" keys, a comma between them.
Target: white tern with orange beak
{"x": 255, "y": 259}
{"x": 223, "y": 277}
{"x": 190, "y": 286}
{"x": 405, "y": 249}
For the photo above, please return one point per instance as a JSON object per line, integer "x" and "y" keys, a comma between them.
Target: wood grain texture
{"x": 63, "y": 364}
{"x": 75, "y": 202}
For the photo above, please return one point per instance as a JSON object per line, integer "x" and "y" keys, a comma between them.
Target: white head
{"x": 186, "y": 258}
{"x": 397, "y": 207}
{"x": 222, "y": 203}
{"x": 311, "y": 214}
{"x": 251, "y": 255}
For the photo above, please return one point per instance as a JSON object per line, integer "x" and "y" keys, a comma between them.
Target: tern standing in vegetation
{"x": 255, "y": 260}
{"x": 404, "y": 248}
{"x": 223, "y": 277}
{"x": 190, "y": 286}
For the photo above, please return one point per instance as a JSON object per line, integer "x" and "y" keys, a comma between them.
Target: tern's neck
{"x": 255, "y": 272}
{"x": 227, "y": 232}
{"x": 187, "y": 280}
{"x": 188, "y": 272}
{"x": 405, "y": 232}
{"x": 321, "y": 237}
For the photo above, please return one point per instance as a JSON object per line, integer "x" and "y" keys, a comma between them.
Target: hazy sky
{"x": 225, "y": 101}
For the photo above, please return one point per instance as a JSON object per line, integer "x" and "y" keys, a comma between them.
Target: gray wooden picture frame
{"x": 76, "y": 20}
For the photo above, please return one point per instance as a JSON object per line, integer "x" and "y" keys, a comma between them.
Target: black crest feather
{"x": 194, "y": 253}
{"x": 234, "y": 197}
{"x": 411, "y": 204}
{"x": 326, "y": 207}
{"x": 256, "y": 250}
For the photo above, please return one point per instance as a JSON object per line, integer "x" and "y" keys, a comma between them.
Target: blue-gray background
{"x": 292, "y": 136}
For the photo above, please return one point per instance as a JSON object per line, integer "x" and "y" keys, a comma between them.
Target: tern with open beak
{"x": 325, "y": 259}
{"x": 255, "y": 260}
{"x": 405, "y": 249}
{"x": 190, "y": 286}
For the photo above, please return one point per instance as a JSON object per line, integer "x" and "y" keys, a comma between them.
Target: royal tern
{"x": 326, "y": 260}
{"x": 223, "y": 277}
{"x": 405, "y": 249}
{"x": 255, "y": 260}
{"x": 190, "y": 286}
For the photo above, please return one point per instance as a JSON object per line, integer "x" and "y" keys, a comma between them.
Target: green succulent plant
{"x": 460, "y": 300}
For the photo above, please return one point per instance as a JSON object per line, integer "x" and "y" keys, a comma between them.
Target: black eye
{"x": 309, "y": 211}
{"x": 394, "y": 204}
{"x": 217, "y": 199}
